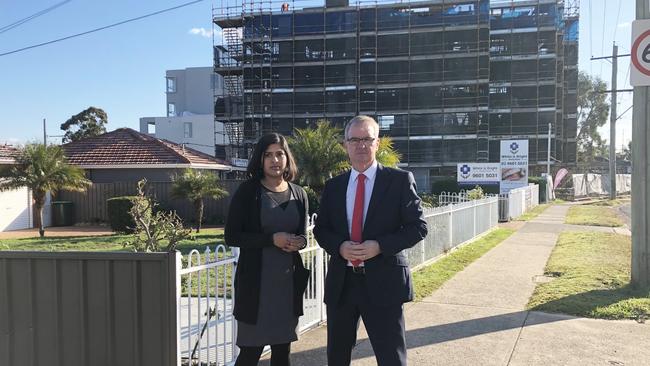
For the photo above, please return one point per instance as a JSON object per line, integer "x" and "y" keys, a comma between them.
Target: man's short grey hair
{"x": 359, "y": 120}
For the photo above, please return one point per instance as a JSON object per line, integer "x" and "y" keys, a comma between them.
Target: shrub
{"x": 450, "y": 185}
{"x": 476, "y": 193}
{"x": 119, "y": 216}
{"x": 154, "y": 230}
{"x": 314, "y": 199}
{"x": 429, "y": 200}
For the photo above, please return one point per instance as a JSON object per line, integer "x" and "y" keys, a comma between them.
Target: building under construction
{"x": 446, "y": 79}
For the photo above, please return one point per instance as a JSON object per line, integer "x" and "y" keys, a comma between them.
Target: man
{"x": 367, "y": 217}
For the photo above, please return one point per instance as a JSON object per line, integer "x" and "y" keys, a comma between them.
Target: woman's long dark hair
{"x": 256, "y": 169}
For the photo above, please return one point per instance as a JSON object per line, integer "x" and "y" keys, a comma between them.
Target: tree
{"x": 593, "y": 110}
{"x": 87, "y": 123}
{"x": 152, "y": 228}
{"x": 386, "y": 154}
{"x": 194, "y": 186}
{"x": 320, "y": 154}
{"x": 43, "y": 169}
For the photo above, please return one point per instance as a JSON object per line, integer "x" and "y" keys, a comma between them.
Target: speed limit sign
{"x": 640, "y": 55}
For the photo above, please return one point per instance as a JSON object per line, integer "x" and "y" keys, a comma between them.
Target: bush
{"x": 429, "y": 200}
{"x": 541, "y": 182}
{"x": 314, "y": 199}
{"x": 450, "y": 185}
{"x": 119, "y": 216}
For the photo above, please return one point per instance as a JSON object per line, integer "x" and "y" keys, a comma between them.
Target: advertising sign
{"x": 514, "y": 164}
{"x": 478, "y": 173}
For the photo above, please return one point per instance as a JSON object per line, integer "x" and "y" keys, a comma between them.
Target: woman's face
{"x": 274, "y": 161}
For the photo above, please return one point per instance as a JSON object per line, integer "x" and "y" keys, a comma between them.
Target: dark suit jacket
{"x": 394, "y": 219}
{"x": 244, "y": 230}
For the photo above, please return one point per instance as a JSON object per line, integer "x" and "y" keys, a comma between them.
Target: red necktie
{"x": 357, "y": 214}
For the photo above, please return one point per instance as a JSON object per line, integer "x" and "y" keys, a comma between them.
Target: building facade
{"x": 190, "y": 111}
{"x": 446, "y": 79}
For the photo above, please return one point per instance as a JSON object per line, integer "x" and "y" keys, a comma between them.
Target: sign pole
{"x": 640, "y": 151}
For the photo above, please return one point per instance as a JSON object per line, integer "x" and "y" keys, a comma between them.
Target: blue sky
{"x": 122, "y": 69}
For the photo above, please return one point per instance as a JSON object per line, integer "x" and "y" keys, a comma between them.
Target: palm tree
{"x": 194, "y": 186}
{"x": 386, "y": 154}
{"x": 319, "y": 154}
{"x": 43, "y": 169}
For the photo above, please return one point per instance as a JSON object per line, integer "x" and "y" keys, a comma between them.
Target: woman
{"x": 268, "y": 221}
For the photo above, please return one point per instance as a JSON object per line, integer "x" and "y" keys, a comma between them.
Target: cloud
{"x": 206, "y": 33}
{"x": 624, "y": 25}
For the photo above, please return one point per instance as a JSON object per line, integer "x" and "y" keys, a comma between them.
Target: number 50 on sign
{"x": 640, "y": 55}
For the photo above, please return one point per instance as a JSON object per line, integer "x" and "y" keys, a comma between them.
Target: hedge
{"x": 119, "y": 216}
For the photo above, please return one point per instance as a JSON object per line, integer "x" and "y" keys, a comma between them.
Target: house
{"x": 115, "y": 161}
{"x": 15, "y": 205}
{"x": 126, "y": 155}
{"x": 190, "y": 111}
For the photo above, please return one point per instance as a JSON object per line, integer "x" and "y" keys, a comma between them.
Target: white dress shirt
{"x": 351, "y": 193}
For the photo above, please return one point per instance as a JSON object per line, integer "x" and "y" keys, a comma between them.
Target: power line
{"x": 617, "y": 17}
{"x": 31, "y": 17}
{"x": 602, "y": 44}
{"x": 591, "y": 41}
{"x": 101, "y": 28}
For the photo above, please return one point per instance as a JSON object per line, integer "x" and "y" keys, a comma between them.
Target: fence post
{"x": 474, "y": 226}
{"x": 320, "y": 283}
{"x": 451, "y": 226}
{"x": 175, "y": 266}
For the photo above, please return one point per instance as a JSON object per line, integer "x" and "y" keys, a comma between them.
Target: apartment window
{"x": 171, "y": 85}
{"x": 187, "y": 129}
{"x": 171, "y": 110}
{"x": 151, "y": 128}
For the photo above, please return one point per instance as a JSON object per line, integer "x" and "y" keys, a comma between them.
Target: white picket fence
{"x": 207, "y": 328}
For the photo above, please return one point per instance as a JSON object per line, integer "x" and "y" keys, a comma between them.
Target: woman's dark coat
{"x": 244, "y": 230}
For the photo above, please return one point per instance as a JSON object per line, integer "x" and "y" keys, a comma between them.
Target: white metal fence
{"x": 207, "y": 329}
{"x": 518, "y": 201}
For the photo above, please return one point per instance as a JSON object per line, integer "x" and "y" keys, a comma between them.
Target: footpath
{"x": 479, "y": 318}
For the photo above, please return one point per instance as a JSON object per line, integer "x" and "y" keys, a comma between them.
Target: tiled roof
{"x": 8, "y": 153}
{"x": 125, "y": 146}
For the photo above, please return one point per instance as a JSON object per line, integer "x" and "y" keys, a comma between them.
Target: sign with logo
{"x": 514, "y": 164}
{"x": 478, "y": 173}
{"x": 241, "y": 163}
{"x": 640, "y": 55}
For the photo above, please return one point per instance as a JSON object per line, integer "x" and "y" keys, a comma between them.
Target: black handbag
{"x": 300, "y": 275}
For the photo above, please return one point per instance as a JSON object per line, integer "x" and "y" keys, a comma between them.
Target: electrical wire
{"x": 31, "y": 17}
{"x": 101, "y": 28}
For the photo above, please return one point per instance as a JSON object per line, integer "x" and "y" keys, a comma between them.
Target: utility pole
{"x": 44, "y": 133}
{"x": 612, "y": 126}
{"x": 613, "y": 117}
{"x": 640, "y": 175}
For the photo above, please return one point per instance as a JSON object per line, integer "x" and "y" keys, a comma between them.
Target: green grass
{"x": 430, "y": 278}
{"x": 110, "y": 243}
{"x": 533, "y": 213}
{"x": 591, "y": 279}
{"x": 593, "y": 215}
{"x": 610, "y": 203}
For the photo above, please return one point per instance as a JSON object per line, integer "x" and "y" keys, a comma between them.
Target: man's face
{"x": 362, "y": 144}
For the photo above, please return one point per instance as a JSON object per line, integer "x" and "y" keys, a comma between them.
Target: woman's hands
{"x": 288, "y": 242}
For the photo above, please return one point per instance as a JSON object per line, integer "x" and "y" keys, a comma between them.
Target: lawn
{"x": 594, "y": 215}
{"x": 112, "y": 243}
{"x": 531, "y": 214}
{"x": 591, "y": 278}
{"x": 430, "y": 278}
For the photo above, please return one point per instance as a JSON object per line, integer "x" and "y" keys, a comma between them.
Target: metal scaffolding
{"x": 446, "y": 79}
